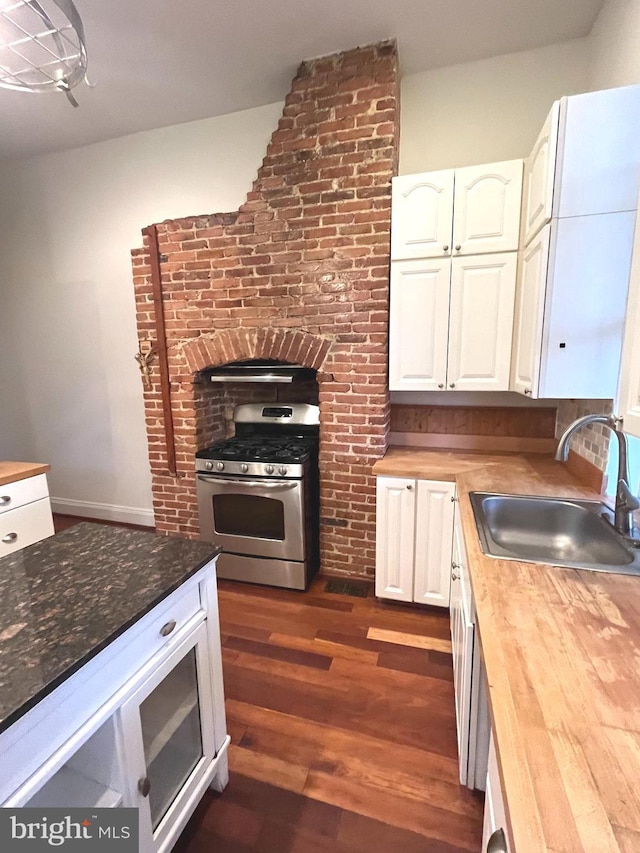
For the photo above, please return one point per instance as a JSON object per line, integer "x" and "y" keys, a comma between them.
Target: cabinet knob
{"x": 458, "y": 247}
{"x": 10, "y": 537}
{"x": 527, "y": 390}
{"x": 409, "y": 486}
{"x": 440, "y": 384}
{"x": 454, "y": 576}
{"x": 445, "y": 248}
{"x": 5, "y": 499}
{"x": 453, "y": 499}
{"x": 452, "y": 385}
{"x": 167, "y": 628}
{"x": 455, "y": 566}
{"x": 497, "y": 842}
{"x": 144, "y": 786}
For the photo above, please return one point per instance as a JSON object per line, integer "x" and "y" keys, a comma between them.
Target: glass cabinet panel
{"x": 171, "y": 734}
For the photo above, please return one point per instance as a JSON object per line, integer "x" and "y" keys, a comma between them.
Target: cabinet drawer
{"x": 24, "y": 526}
{"x": 14, "y": 495}
{"x": 168, "y": 621}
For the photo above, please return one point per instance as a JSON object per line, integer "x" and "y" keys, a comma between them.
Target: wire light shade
{"x": 42, "y": 46}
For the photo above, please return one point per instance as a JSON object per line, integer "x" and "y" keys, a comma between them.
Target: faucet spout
{"x": 626, "y": 501}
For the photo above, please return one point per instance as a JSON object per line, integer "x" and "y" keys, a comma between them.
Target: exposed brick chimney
{"x": 300, "y": 273}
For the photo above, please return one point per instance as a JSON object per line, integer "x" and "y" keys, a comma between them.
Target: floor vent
{"x": 359, "y": 589}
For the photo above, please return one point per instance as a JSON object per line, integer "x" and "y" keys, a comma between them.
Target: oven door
{"x": 259, "y": 518}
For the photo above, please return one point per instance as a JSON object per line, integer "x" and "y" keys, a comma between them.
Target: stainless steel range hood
{"x": 259, "y": 371}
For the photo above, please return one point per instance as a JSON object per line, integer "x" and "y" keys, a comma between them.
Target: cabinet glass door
{"x": 171, "y": 734}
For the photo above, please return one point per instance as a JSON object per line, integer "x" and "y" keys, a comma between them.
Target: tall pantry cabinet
{"x": 454, "y": 237}
{"x": 578, "y": 214}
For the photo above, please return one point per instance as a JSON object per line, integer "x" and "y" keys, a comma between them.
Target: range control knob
{"x": 220, "y": 466}
{"x": 244, "y": 467}
{"x": 208, "y": 466}
{"x": 268, "y": 469}
{"x": 282, "y": 470}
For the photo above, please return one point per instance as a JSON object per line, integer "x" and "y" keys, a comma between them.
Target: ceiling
{"x": 160, "y": 62}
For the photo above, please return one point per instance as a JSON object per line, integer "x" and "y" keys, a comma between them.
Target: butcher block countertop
{"x": 12, "y": 471}
{"x": 562, "y": 654}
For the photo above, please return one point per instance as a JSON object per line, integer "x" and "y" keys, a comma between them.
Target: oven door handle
{"x": 290, "y": 484}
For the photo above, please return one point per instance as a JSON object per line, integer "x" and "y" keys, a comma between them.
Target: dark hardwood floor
{"x": 342, "y": 721}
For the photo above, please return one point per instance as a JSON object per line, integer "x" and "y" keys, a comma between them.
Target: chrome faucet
{"x": 626, "y": 501}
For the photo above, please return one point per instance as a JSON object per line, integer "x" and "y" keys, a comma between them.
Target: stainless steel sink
{"x": 556, "y": 531}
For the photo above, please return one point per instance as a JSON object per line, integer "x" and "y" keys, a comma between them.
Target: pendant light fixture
{"x": 42, "y": 46}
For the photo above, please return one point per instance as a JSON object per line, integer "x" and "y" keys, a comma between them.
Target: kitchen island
{"x": 110, "y": 676}
{"x": 561, "y": 648}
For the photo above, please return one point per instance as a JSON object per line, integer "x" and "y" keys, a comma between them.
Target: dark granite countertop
{"x": 64, "y": 599}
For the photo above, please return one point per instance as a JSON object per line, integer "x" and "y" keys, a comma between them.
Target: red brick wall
{"x": 299, "y": 273}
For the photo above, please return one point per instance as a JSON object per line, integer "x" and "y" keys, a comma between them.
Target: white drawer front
{"x": 14, "y": 495}
{"x": 24, "y": 526}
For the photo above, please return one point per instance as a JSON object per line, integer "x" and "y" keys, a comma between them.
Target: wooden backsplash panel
{"x": 474, "y": 420}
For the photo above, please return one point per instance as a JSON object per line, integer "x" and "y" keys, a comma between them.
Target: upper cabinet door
{"x": 629, "y": 392}
{"x": 539, "y": 176}
{"x": 418, "y": 325}
{"x": 422, "y": 212}
{"x": 486, "y": 208}
{"x": 529, "y": 314}
{"x": 481, "y": 322}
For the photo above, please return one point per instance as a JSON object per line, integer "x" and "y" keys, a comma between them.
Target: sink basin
{"x": 556, "y": 531}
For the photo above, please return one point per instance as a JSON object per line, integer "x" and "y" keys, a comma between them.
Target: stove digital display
{"x": 277, "y": 412}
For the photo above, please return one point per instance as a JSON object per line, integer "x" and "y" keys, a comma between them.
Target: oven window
{"x": 248, "y": 515}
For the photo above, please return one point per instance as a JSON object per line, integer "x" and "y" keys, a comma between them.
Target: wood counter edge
{"x": 11, "y": 472}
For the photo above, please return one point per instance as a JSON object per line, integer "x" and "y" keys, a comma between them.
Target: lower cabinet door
{"x": 395, "y": 532}
{"x": 433, "y": 538}
{"x": 462, "y": 637}
{"x": 167, "y": 728}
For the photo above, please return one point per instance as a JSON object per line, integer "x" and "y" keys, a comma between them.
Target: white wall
{"x": 486, "y": 111}
{"x": 614, "y": 45}
{"x": 70, "y": 391}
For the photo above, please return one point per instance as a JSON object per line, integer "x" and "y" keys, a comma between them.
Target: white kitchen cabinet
{"x": 433, "y": 539}
{"x": 467, "y": 211}
{"x": 419, "y": 324}
{"x": 142, "y": 724}
{"x": 451, "y": 323}
{"x": 571, "y": 298}
{"x": 539, "y": 176}
{"x": 486, "y": 208}
{"x": 421, "y": 221}
{"x": 25, "y": 513}
{"x": 628, "y": 398}
{"x": 471, "y": 705}
{"x": 495, "y": 819}
{"x": 395, "y": 535}
{"x": 566, "y": 177}
{"x": 481, "y": 322}
{"x": 414, "y": 529}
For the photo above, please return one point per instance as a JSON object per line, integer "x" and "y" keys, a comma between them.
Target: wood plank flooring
{"x": 341, "y": 715}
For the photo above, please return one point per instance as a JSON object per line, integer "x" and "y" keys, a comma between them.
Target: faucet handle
{"x": 628, "y": 501}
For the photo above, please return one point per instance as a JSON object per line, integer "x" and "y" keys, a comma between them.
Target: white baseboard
{"x": 105, "y": 512}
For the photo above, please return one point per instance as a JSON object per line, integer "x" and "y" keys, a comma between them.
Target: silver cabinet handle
{"x": 452, "y": 385}
{"x": 167, "y": 628}
{"x": 497, "y": 843}
{"x": 409, "y": 486}
{"x": 10, "y": 537}
{"x": 144, "y": 786}
{"x": 445, "y": 248}
{"x": 458, "y": 247}
{"x": 527, "y": 390}
{"x": 454, "y": 576}
{"x": 455, "y": 565}
{"x": 5, "y": 499}
{"x": 440, "y": 384}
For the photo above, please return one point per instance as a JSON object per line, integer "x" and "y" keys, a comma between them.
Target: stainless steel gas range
{"x": 258, "y": 495}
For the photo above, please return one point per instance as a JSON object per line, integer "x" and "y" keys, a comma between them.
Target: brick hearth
{"x": 300, "y": 273}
